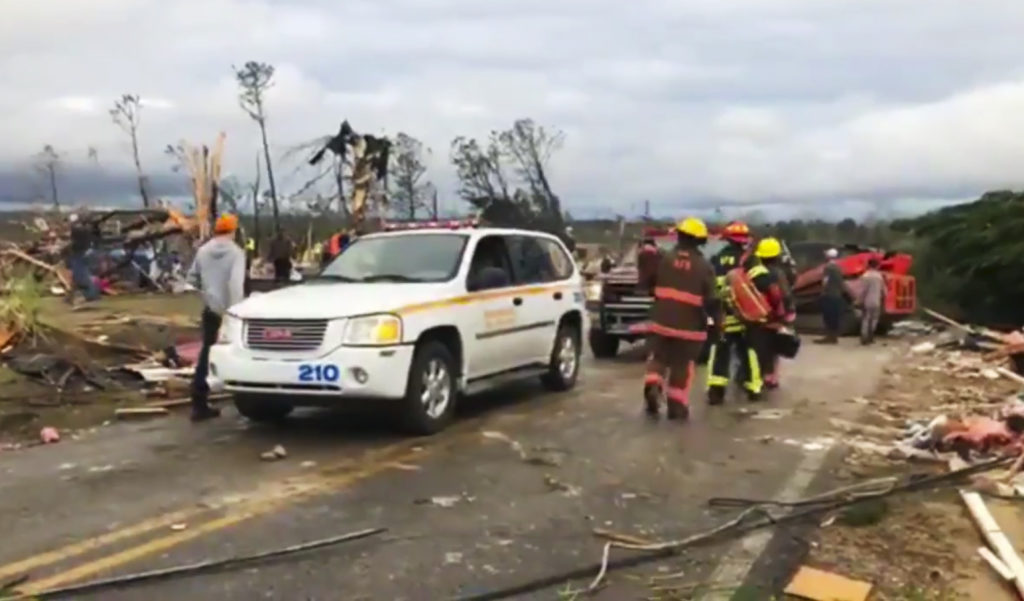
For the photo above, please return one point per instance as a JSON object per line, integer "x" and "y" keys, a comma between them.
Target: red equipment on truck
{"x": 901, "y": 287}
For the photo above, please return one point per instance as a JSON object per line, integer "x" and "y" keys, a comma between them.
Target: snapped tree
{"x": 254, "y": 79}
{"x": 506, "y": 177}
{"x": 48, "y": 163}
{"x": 409, "y": 193}
{"x": 126, "y": 114}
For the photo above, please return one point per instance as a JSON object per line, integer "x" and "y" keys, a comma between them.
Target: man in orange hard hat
{"x": 218, "y": 272}
{"x": 684, "y": 296}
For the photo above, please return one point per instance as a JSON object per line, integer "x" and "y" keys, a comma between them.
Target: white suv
{"x": 420, "y": 316}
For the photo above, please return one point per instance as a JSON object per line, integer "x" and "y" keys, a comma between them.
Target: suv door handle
{"x": 558, "y": 296}
{"x": 517, "y": 301}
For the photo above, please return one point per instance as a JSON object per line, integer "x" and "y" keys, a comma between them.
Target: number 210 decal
{"x": 319, "y": 373}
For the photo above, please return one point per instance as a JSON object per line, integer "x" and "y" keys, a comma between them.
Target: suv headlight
{"x": 592, "y": 290}
{"x": 230, "y": 329}
{"x": 373, "y": 330}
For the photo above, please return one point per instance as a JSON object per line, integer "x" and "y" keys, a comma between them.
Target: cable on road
{"x": 194, "y": 568}
{"x": 740, "y": 525}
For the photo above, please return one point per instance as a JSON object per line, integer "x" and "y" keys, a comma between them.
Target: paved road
{"x": 143, "y": 496}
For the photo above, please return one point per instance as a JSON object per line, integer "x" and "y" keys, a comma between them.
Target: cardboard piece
{"x": 818, "y": 585}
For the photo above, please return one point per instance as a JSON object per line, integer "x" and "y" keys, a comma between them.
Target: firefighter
{"x": 684, "y": 297}
{"x": 764, "y": 275}
{"x": 733, "y": 337}
{"x": 785, "y": 274}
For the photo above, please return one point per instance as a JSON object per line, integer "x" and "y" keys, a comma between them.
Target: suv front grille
{"x": 285, "y": 334}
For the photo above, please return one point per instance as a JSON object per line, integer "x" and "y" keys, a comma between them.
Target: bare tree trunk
{"x": 53, "y": 187}
{"x": 256, "y": 207}
{"x": 270, "y": 172}
{"x": 138, "y": 170}
{"x": 433, "y": 206}
{"x": 339, "y": 177}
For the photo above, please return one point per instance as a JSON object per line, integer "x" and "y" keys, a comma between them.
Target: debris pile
{"x": 128, "y": 250}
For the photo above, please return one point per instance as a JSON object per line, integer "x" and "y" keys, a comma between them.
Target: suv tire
{"x": 429, "y": 404}
{"x": 564, "y": 365}
{"x": 262, "y": 409}
{"x": 602, "y": 345}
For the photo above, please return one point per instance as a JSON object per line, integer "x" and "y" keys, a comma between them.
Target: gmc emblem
{"x": 277, "y": 334}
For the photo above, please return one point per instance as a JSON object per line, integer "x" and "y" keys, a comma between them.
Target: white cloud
{"x": 735, "y": 101}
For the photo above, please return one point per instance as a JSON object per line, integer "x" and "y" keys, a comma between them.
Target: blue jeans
{"x": 81, "y": 278}
{"x": 831, "y": 314}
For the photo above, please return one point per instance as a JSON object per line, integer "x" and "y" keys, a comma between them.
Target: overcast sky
{"x": 817, "y": 104}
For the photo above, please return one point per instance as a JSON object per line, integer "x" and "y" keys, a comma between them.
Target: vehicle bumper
{"x": 239, "y": 371}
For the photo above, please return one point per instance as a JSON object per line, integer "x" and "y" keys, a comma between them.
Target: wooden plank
{"x": 995, "y": 537}
{"x": 996, "y": 563}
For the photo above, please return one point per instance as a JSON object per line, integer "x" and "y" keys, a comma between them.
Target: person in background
{"x": 281, "y": 251}
{"x": 250, "y": 254}
{"x": 335, "y": 244}
{"x": 78, "y": 263}
{"x": 871, "y": 300}
{"x": 647, "y": 260}
{"x": 218, "y": 272}
{"x": 833, "y": 294}
{"x": 772, "y": 284}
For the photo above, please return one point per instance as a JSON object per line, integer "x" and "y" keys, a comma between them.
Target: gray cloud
{"x": 875, "y": 103}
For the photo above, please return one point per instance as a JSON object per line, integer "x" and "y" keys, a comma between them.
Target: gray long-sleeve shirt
{"x": 218, "y": 272}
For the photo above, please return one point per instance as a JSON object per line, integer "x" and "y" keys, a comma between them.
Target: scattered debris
{"x": 179, "y": 527}
{"x": 818, "y": 585}
{"x": 49, "y": 435}
{"x": 566, "y": 489}
{"x": 275, "y": 454}
{"x": 995, "y": 537}
{"x": 445, "y": 501}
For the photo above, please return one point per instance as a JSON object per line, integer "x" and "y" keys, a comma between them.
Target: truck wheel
{"x": 564, "y": 366}
{"x": 262, "y": 409}
{"x": 602, "y": 345}
{"x": 429, "y": 404}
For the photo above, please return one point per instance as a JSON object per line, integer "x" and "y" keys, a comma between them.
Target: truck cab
{"x": 620, "y": 303}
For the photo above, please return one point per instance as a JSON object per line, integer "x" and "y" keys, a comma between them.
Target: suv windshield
{"x": 401, "y": 258}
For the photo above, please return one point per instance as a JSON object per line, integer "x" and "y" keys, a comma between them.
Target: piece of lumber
{"x": 818, "y": 585}
{"x": 995, "y": 537}
{"x": 1011, "y": 375}
{"x": 996, "y": 563}
{"x": 28, "y": 259}
{"x": 139, "y": 412}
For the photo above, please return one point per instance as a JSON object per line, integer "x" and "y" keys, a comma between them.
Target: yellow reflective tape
{"x": 755, "y": 383}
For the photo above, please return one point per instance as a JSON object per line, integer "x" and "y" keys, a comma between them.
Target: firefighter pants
{"x": 676, "y": 357}
{"x": 720, "y": 362}
{"x": 762, "y": 341}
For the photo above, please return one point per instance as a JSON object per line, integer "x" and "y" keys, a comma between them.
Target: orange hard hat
{"x": 737, "y": 231}
{"x": 226, "y": 224}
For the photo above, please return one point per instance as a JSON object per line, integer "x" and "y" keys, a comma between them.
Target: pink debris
{"x": 188, "y": 352}
{"x": 980, "y": 433}
{"x": 49, "y": 435}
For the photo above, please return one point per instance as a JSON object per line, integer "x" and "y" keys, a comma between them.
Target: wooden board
{"x": 818, "y": 585}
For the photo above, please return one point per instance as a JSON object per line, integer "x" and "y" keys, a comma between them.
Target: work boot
{"x": 716, "y": 395}
{"x": 207, "y": 412}
{"x": 677, "y": 411}
{"x": 652, "y": 396}
{"x": 753, "y": 397}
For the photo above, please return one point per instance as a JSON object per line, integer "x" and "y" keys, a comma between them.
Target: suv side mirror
{"x": 488, "y": 278}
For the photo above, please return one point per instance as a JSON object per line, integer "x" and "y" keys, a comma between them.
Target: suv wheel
{"x": 262, "y": 409}
{"x": 429, "y": 404}
{"x": 602, "y": 345}
{"x": 564, "y": 366}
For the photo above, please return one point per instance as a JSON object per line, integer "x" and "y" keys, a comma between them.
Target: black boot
{"x": 677, "y": 411}
{"x": 652, "y": 396}
{"x": 716, "y": 395}
{"x": 203, "y": 413}
{"x": 753, "y": 397}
